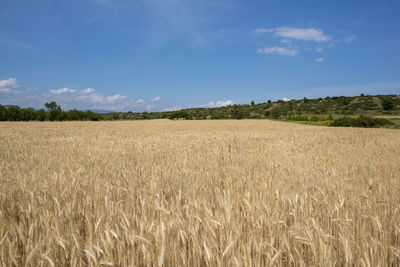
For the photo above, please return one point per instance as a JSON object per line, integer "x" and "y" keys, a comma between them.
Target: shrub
{"x": 388, "y": 104}
{"x": 301, "y": 118}
{"x": 361, "y": 121}
{"x": 276, "y": 113}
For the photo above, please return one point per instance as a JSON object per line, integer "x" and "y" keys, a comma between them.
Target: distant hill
{"x": 337, "y": 105}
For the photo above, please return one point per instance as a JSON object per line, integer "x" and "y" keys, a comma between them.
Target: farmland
{"x": 196, "y": 193}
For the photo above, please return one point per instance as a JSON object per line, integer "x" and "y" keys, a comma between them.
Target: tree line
{"x": 51, "y": 112}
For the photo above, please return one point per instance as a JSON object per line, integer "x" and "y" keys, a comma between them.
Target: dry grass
{"x": 198, "y": 193}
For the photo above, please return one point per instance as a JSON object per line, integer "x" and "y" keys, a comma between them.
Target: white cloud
{"x": 88, "y": 98}
{"x": 72, "y": 91}
{"x": 88, "y": 91}
{"x": 308, "y": 34}
{"x": 291, "y": 34}
{"x": 67, "y": 98}
{"x": 62, "y": 91}
{"x": 350, "y": 38}
{"x": 286, "y": 99}
{"x": 214, "y": 104}
{"x": 9, "y": 85}
{"x": 114, "y": 98}
{"x": 281, "y": 51}
{"x": 305, "y": 34}
{"x": 263, "y": 30}
{"x": 320, "y": 59}
{"x": 155, "y": 99}
{"x": 140, "y": 101}
{"x": 95, "y": 98}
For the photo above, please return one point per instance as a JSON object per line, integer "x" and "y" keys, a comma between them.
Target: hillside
{"x": 355, "y": 105}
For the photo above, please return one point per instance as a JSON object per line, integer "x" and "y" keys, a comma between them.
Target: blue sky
{"x": 169, "y": 54}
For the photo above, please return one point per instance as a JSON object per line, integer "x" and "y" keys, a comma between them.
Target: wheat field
{"x": 198, "y": 193}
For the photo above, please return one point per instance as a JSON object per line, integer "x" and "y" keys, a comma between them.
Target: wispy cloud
{"x": 214, "y": 104}
{"x": 88, "y": 91}
{"x": 320, "y": 59}
{"x": 350, "y": 38}
{"x": 305, "y": 34}
{"x": 286, "y": 41}
{"x": 263, "y": 30}
{"x": 309, "y": 34}
{"x": 293, "y": 38}
{"x": 140, "y": 101}
{"x": 157, "y": 98}
{"x": 62, "y": 91}
{"x": 114, "y": 98}
{"x": 280, "y": 51}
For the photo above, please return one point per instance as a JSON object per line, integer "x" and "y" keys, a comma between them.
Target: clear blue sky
{"x": 167, "y": 54}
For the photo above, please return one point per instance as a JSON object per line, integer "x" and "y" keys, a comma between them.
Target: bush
{"x": 361, "y": 121}
{"x": 275, "y": 113}
{"x": 301, "y": 118}
{"x": 388, "y": 104}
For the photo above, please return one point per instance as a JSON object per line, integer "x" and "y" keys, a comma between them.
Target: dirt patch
{"x": 355, "y": 101}
{"x": 377, "y": 101}
{"x": 273, "y": 106}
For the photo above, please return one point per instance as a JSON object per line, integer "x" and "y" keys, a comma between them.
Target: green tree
{"x": 55, "y": 111}
{"x": 237, "y": 114}
{"x": 3, "y": 113}
{"x": 52, "y": 106}
{"x": 42, "y": 115}
{"x": 252, "y": 103}
{"x": 13, "y": 113}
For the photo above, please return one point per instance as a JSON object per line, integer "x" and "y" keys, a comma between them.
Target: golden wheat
{"x": 196, "y": 193}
